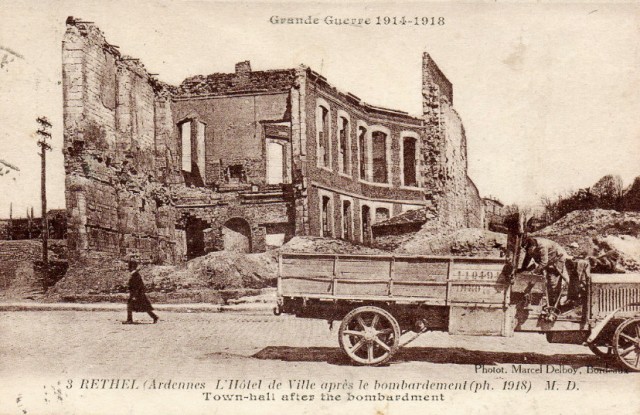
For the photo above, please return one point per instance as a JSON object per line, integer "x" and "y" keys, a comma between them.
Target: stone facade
{"x": 113, "y": 136}
{"x": 245, "y": 160}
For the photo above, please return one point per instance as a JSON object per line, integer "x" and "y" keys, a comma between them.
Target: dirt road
{"x": 88, "y": 362}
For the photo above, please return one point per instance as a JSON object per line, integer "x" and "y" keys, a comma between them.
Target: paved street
{"x": 41, "y": 348}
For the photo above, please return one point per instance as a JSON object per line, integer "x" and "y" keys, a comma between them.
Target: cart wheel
{"x": 369, "y": 335}
{"x": 626, "y": 341}
{"x": 603, "y": 351}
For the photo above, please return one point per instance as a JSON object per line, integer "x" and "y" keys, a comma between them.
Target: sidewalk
{"x": 178, "y": 308}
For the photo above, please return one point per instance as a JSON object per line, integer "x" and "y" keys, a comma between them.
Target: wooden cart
{"x": 380, "y": 297}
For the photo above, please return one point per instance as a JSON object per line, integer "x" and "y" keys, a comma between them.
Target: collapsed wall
{"x": 444, "y": 155}
{"x": 119, "y": 153}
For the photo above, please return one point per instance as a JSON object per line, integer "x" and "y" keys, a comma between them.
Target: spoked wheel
{"x": 369, "y": 335}
{"x": 626, "y": 341}
{"x": 603, "y": 351}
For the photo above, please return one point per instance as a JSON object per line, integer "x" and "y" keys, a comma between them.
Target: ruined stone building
{"x": 245, "y": 160}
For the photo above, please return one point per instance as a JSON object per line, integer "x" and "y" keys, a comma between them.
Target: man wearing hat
{"x": 138, "y": 300}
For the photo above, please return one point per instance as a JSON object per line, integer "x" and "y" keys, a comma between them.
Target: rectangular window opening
{"x": 200, "y": 156}
{"x": 185, "y": 142}
{"x": 235, "y": 174}
{"x": 382, "y": 214}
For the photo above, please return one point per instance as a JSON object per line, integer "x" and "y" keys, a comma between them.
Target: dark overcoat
{"x": 137, "y": 298}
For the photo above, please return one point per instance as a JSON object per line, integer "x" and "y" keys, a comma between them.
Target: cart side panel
{"x": 363, "y": 268}
{"x": 481, "y": 321}
{"x": 479, "y": 298}
{"x": 301, "y": 275}
{"x": 487, "y": 270}
{"x": 422, "y": 277}
{"x": 362, "y": 276}
{"x": 477, "y": 293}
{"x": 420, "y": 269}
{"x": 436, "y": 292}
{"x": 477, "y": 281}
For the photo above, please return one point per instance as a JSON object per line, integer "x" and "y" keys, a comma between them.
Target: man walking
{"x": 138, "y": 300}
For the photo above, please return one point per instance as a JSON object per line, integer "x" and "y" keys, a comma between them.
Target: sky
{"x": 548, "y": 93}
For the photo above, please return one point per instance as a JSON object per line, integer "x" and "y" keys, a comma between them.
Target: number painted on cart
{"x": 476, "y": 274}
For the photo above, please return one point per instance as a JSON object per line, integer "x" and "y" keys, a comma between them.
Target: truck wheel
{"x": 626, "y": 342}
{"x": 369, "y": 335}
{"x": 603, "y": 351}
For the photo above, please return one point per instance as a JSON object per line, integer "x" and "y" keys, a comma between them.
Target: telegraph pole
{"x": 44, "y": 134}
{"x": 10, "y": 220}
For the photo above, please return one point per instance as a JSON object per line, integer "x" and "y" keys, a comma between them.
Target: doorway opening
{"x": 236, "y": 235}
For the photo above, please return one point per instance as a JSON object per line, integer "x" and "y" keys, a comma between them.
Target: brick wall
{"x": 441, "y": 168}
{"x": 234, "y": 131}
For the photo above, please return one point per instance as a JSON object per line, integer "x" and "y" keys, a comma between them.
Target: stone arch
{"x": 236, "y": 235}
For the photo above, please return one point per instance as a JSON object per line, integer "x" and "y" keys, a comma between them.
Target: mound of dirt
{"x": 217, "y": 270}
{"x": 597, "y": 231}
{"x": 461, "y": 242}
{"x": 595, "y": 222}
{"x": 318, "y": 244}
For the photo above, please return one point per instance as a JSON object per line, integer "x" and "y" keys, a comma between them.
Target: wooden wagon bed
{"x": 429, "y": 280}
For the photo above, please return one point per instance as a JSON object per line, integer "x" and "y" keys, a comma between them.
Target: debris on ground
{"x": 214, "y": 271}
{"x": 596, "y": 232}
{"x": 21, "y": 273}
{"x": 221, "y": 270}
{"x": 316, "y": 244}
{"x": 460, "y": 242}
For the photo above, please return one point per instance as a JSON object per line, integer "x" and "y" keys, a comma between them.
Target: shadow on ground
{"x": 437, "y": 355}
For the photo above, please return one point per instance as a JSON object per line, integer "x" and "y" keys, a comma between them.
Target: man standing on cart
{"x": 550, "y": 260}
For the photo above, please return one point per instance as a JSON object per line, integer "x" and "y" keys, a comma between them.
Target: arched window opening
{"x": 326, "y": 216}
{"x": 362, "y": 152}
{"x": 343, "y": 145}
{"x": 379, "y": 151}
{"x": 366, "y": 224}
{"x": 324, "y": 151}
{"x": 409, "y": 161}
{"x": 347, "y": 220}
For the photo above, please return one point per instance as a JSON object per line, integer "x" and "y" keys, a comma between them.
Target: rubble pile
{"x": 215, "y": 271}
{"x": 21, "y": 275}
{"x": 316, "y": 244}
{"x": 461, "y": 242}
{"x": 597, "y": 232}
{"x": 220, "y": 270}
